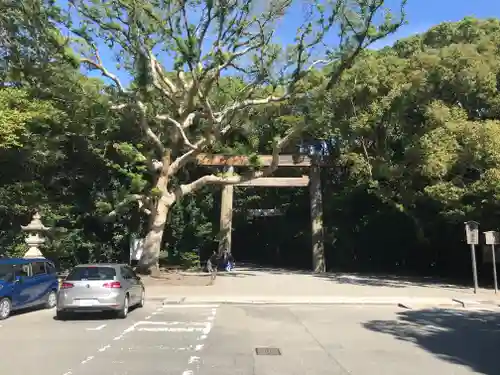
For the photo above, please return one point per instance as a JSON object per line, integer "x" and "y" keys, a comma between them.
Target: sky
{"x": 421, "y": 15}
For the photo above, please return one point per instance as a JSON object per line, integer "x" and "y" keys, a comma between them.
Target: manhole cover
{"x": 267, "y": 351}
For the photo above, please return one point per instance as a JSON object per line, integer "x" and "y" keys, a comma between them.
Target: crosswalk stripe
{"x": 188, "y": 306}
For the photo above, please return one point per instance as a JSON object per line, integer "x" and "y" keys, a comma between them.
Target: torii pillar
{"x": 318, "y": 247}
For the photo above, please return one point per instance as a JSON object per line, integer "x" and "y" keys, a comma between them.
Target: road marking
{"x": 207, "y": 328}
{"x": 188, "y": 306}
{"x": 171, "y": 329}
{"x": 104, "y": 348}
{"x": 163, "y": 347}
{"x": 171, "y": 323}
{"x": 97, "y": 328}
{"x": 90, "y": 358}
{"x": 194, "y": 361}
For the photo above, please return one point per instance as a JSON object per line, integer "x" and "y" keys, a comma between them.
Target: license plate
{"x": 86, "y": 302}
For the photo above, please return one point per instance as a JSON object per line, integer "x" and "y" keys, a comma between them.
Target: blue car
{"x": 26, "y": 283}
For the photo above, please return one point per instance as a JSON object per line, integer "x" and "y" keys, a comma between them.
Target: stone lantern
{"x": 34, "y": 239}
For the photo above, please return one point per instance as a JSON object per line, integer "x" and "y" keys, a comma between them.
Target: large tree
{"x": 178, "y": 52}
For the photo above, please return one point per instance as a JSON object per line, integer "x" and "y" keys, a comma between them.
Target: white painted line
{"x": 97, "y": 328}
{"x": 173, "y": 323}
{"x": 193, "y": 359}
{"x": 104, "y": 348}
{"x": 162, "y": 347}
{"x": 171, "y": 329}
{"x": 207, "y": 328}
{"x": 87, "y": 359}
{"x": 188, "y": 306}
{"x": 129, "y": 329}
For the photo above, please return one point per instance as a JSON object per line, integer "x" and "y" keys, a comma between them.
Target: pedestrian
{"x": 213, "y": 264}
{"x": 229, "y": 261}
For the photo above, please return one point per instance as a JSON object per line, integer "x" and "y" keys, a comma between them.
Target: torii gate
{"x": 313, "y": 180}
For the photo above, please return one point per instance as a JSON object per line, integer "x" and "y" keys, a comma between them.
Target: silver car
{"x": 99, "y": 288}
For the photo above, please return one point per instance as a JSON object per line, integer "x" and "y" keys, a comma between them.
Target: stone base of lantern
{"x": 33, "y": 253}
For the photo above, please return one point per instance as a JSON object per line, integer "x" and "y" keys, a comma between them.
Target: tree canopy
{"x": 411, "y": 130}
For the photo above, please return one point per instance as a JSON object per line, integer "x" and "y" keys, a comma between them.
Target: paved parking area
{"x": 218, "y": 340}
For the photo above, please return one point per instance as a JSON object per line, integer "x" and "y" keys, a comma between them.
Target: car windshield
{"x": 6, "y": 272}
{"x": 91, "y": 273}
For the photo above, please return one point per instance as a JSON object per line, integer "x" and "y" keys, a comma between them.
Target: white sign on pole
{"x": 136, "y": 248}
{"x": 491, "y": 237}
{"x": 472, "y": 232}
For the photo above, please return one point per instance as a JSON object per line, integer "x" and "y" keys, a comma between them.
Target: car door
{"x": 131, "y": 283}
{"x": 137, "y": 283}
{"x": 24, "y": 291}
{"x": 52, "y": 275}
{"x": 41, "y": 282}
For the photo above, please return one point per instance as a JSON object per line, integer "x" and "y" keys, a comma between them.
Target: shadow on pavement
{"x": 91, "y": 316}
{"x": 469, "y": 338}
{"x": 27, "y": 310}
{"x": 390, "y": 281}
{"x": 383, "y": 280}
{"x": 234, "y": 274}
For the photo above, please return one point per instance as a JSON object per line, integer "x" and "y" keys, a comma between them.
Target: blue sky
{"x": 421, "y": 15}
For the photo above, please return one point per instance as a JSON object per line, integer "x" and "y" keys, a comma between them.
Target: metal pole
{"x": 494, "y": 269}
{"x": 474, "y": 267}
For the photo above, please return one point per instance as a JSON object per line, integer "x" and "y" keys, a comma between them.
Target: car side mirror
{"x": 19, "y": 280}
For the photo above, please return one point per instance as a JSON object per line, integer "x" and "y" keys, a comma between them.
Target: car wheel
{"x": 5, "y": 308}
{"x": 122, "y": 314}
{"x": 143, "y": 298}
{"x": 51, "y": 300}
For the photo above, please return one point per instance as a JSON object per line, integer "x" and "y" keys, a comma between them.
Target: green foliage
{"x": 19, "y": 113}
{"x": 411, "y": 132}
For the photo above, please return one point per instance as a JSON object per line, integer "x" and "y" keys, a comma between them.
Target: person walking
{"x": 212, "y": 265}
{"x": 229, "y": 261}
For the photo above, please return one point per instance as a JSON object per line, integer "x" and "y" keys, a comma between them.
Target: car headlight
{"x": 1, "y": 286}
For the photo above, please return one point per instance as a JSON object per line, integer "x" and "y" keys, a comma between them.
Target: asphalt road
{"x": 220, "y": 340}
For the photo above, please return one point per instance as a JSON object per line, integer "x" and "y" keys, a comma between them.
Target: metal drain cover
{"x": 267, "y": 351}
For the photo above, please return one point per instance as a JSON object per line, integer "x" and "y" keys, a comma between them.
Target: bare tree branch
{"x": 185, "y": 189}
{"x": 185, "y": 158}
{"x": 180, "y": 127}
{"x": 143, "y": 123}
{"x": 140, "y": 199}
{"x": 99, "y": 66}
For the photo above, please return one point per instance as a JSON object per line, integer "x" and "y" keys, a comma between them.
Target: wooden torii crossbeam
{"x": 313, "y": 181}
{"x": 242, "y": 160}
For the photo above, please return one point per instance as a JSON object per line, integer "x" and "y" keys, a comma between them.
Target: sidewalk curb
{"x": 407, "y": 303}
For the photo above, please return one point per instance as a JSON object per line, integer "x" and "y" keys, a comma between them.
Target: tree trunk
{"x": 152, "y": 244}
